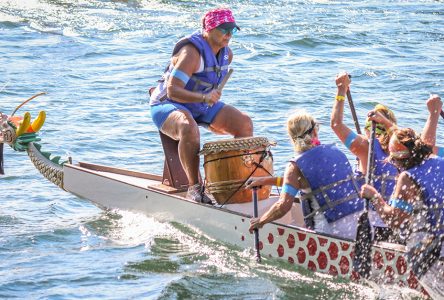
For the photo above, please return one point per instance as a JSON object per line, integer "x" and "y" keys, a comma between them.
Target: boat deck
{"x": 154, "y": 182}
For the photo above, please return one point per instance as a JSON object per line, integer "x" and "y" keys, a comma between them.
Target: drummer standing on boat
{"x": 188, "y": 93}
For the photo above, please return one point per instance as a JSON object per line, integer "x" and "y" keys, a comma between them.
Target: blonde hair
{"x": 384, "y": 139}
{"x": 298, "y": 124}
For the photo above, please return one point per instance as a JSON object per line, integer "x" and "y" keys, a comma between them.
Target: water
{"x": 96, "y": 60}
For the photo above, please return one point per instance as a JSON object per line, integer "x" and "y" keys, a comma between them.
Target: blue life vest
{"x": 214, "y": 70}
{"x": 331, "y": 180}
{"x": 429, "y": 176}
{"x": 384, "y": 173}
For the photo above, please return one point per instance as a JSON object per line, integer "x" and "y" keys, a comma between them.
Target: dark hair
{"x": 419, "y": 150}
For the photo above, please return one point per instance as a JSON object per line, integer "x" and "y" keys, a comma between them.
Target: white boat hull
{"x": 116, "y": 188}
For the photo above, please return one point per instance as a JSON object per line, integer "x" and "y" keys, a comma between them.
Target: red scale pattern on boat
{"x": 311, "y": 266}
{"x": 322, "y": 241}
{"x": 301, "y": 255}
{"x": 322, "y": 260}
{"x": 333, "y": 271}
{"x": 270, "y": 238}
{"x": 378, "y": 260}
{"x": 344, "y": 265}
{"x": 401, "y": 265}
{"x": 312, "y": 247}
{"x": 355, "y": 276}
{"x": 344, "y": 246}
{"x": 389, "y": 274}
{"x": 413, "y": 282}
{"x": 333, "y": 251}
{"x": 389, "y": 255}
{"x": 335, "y": 257}
{"x": 301, "y": 236}
{"x": 290, "y": 241}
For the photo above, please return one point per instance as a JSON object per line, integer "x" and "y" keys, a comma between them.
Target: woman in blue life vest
{"x": 189, "y": 93}
{"x": 434, "y": 106}
{"x": 384, "y": 173}
{"x": 417, "y": 206}
{"x": 322, "y": 176}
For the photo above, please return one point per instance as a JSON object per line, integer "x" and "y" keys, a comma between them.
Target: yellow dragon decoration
{"x": 22, "y": 135}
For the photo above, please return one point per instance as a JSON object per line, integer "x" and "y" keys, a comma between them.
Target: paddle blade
{"x": 363, "y": 247}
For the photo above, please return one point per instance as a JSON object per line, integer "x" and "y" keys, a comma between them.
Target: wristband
{"x": 340, "y": 98}
{"x": 279, "y": 181}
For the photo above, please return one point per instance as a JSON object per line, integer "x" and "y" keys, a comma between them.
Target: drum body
{"x": 228, "y": 164}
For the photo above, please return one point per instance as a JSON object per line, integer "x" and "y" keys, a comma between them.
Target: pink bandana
{"x": 215, "y": 17}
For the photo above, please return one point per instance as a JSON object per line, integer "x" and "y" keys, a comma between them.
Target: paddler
{"x": 188, "y": 94}
{"x": 322, "y": 176}
{"x": 434, "y": 106}
{"x": 384, "y": 173}
{"x": 417, "y": 206}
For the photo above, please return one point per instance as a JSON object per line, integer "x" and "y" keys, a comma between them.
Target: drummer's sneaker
{"x": 196, "y": 193}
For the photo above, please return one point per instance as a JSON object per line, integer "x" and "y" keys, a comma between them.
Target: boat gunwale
{"x": 95, "y": 169}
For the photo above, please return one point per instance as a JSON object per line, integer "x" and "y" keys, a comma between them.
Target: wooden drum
{"x": 228, "y": 164}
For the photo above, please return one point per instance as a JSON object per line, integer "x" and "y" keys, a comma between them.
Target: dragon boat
{"x": 286, "y": 239}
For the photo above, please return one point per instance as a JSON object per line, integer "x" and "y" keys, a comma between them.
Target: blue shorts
{"x": 161, "y": 111}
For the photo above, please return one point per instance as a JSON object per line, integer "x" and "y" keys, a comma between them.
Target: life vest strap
{"x": 329, "y": 205}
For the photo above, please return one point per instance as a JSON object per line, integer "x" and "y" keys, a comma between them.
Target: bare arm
{"x": 187, "y": 61}
{"x": 292, "y": 177}
{"x": 405, "y": 193}
{"x": 359, "y": 146}
{"x": 434, "y": 105}
{"x": 260, "y": 181}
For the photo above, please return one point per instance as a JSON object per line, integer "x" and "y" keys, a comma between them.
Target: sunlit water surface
{"x": 96, "y": 60}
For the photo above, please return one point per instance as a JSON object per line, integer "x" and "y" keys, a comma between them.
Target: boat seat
{"x": 173, "y": 173}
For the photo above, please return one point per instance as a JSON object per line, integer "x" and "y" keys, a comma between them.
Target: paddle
{"x": 363, "y": 245}
{"x": 442, "y": 114}
{"x": 353, "y": 111}
{"x": 224, "y": 81}
{"x": 2, "y": 171}
{"x": 256, "y": 231}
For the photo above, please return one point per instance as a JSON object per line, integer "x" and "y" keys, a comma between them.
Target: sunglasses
{"x": 379, "y": 128}
{"x": 310, "y": 130}
{"x": 230, "y": 31}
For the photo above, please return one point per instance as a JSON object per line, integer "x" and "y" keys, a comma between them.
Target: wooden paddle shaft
{"x": 224, "y": 81}
{"x": 353, "y": 111}
{"x": 256, "y": 231}
{"x": 370, "y": 159}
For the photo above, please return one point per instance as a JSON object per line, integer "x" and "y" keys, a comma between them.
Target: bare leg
{"x": 229, "y": 120}
{"x": 181, "y": 126}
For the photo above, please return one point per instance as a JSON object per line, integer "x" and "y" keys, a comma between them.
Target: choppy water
{"x": 96, "y": 59}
